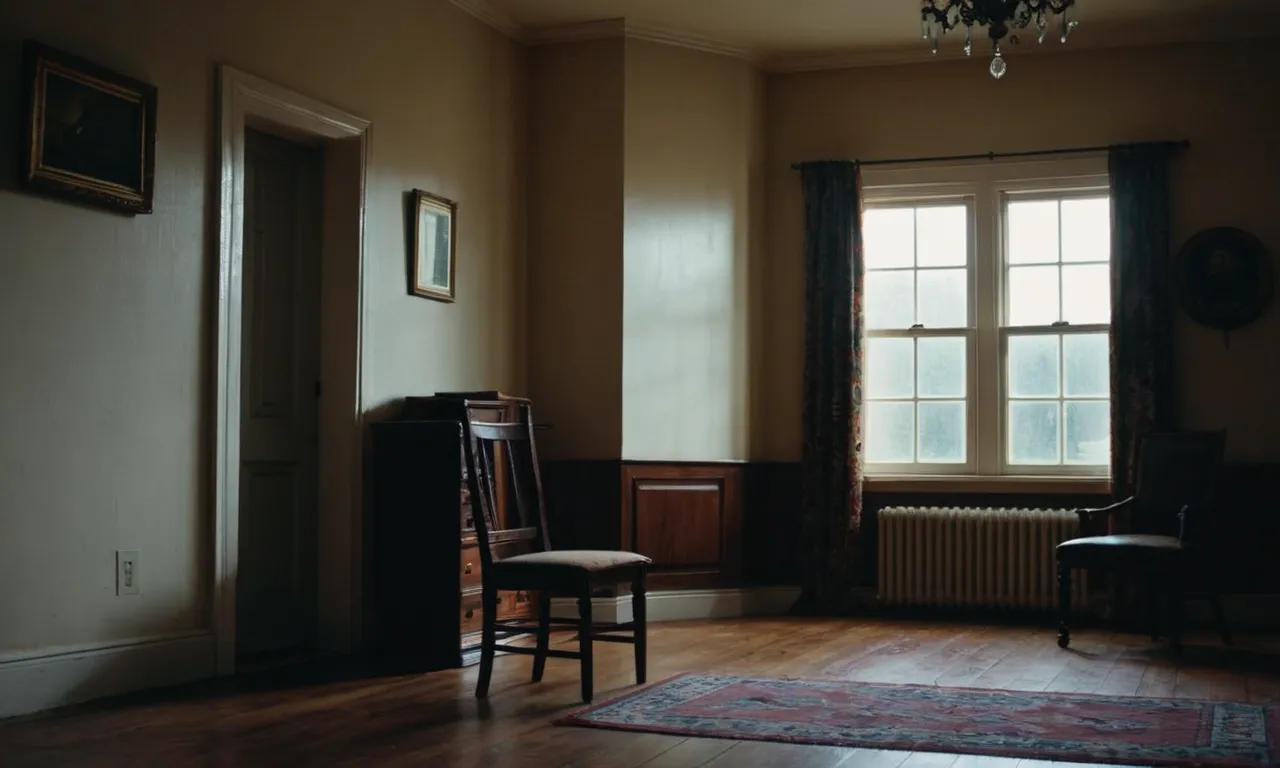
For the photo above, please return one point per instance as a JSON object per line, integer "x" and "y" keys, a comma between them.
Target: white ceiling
{"x": 774, "y": 29}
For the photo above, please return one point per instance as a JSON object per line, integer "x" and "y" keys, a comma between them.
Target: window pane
{"x": 1033, "y": 295}
{"x": 1086, "y": 294}
{"x": 891, "y": 431}
{"x": 942, "y": 432}
{"x": 1033, "y": 232}
{"x": 1033, "y": 432}
{"x": 890, "y": 368}
{"x": 942, "y": 236}
{"x": 1086, "y": 230}
{"x": 1033, "y": 366}
{"x": 941, "y": 367}
{"x": 1087, "y": 363}
{"x": 942, "y": 298}
{"x": 888, "y": 237}
{"x": 1088, "y": 437}
{"x": 890, "y": 300}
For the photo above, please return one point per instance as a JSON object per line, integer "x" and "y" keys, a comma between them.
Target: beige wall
{"x": 106, "y": 321}
{"x": 694, "y": 157}
{"x": 1211, "y": 94}
{"x": 575, "y": 247}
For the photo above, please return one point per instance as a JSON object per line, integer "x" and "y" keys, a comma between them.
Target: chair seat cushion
{"x": 582, "y": 559}
{"x": 1140, "y": 542}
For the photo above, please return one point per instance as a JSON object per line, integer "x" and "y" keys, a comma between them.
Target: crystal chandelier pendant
{"x": 998, "y": 65}
{"x": 1001, "y": 18}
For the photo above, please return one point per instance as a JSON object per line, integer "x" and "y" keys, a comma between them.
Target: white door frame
{"x": 248, "y": 100}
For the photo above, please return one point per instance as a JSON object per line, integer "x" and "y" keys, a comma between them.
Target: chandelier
{"x": 999, "y": 16}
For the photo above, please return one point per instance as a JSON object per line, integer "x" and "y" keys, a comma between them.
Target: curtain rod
{"x": 1031, "y": 153}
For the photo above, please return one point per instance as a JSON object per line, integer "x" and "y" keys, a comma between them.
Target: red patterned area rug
{"x": 1119, "y": 730}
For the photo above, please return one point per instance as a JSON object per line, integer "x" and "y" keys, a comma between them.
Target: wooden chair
{"x": 545, "y": 570}
{"x": 1170, "y": 532}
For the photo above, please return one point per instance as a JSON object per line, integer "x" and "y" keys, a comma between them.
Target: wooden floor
{"x": 347, "y": 718}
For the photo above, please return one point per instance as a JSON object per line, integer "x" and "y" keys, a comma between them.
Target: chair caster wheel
{"x": 1064, "y": 639}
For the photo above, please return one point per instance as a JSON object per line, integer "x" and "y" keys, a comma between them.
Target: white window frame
{"x": 923, "y": 198}
{"x": 1032, "y": 193}
{"x": 985, "y": 185}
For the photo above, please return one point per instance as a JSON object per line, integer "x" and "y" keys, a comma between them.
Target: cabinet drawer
{"x": 469, "y": 573}
{"x": 511, "y": 606}
{"x": 515, "y": 605}
{"x": 472, "y": 618}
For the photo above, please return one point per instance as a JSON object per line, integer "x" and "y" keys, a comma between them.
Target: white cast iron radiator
{"x": 974, "y": 557}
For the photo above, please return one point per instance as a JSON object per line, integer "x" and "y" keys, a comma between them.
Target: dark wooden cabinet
{"x": 425, "y": 607}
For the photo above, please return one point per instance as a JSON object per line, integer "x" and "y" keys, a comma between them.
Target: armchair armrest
{"x": 1086, "y": 515}
{"x": 1193, "y": 526}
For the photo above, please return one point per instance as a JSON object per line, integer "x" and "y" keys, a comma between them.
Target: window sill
{"x": 986, "y": 484}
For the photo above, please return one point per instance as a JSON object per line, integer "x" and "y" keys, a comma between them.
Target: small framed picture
{"x": 89, "y": 133}
{"x": 434, "y": 246}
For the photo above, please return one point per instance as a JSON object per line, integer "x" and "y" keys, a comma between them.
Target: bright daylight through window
{"x": 986, "y": 349}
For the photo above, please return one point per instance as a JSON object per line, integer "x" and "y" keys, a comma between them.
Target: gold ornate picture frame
{"x": 89, "y": 132}
{"x": 435, "y": 268}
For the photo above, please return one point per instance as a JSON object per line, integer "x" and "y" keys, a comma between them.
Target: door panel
{"x": 276, "y": 580}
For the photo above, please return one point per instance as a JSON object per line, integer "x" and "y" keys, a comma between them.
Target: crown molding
{"x": 606, "y": 29}
{"x": 499, "y": 20}
{"x": 692, "y": 42}
{"x": 1218, "y": 29}
{"x": 1091, "y": 39}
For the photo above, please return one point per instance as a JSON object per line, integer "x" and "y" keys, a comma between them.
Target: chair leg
{"x": 584, "y": 642}
{"x": 1064, "y": 603}
{"x": 1177, "y": 612}
{"x": 544, "y": 635}
{"x": 1215, "y": 602}
{"x": 488, "y": 640}
{"x": 1153, "y": 608}
{"x": 641, "y": 628}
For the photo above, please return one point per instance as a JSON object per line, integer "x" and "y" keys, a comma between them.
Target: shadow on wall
{"x": 152, "y": 657}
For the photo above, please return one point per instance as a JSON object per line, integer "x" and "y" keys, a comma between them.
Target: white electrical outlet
{"x": 127, "y": 572}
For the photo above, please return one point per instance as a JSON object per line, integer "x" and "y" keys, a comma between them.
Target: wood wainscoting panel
{"x": 688, "y": 519}
{"x": 582, "y": 498}
{"x": 771, "y": 523}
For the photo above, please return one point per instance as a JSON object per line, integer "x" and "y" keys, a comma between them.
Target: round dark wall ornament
{"x": 1224, "y": 278}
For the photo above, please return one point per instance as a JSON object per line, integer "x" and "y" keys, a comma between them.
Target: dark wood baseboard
{"x": 585, "y": 503}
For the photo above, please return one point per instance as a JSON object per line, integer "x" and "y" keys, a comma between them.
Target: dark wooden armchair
{"x": 546, "y": 571}
{"x": 1167, "y": 534}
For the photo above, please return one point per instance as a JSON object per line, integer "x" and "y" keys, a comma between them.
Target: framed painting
{"x": 1224, "y": 278}
{"x": 434, "y": 246}
{"x": 89, "y": 133}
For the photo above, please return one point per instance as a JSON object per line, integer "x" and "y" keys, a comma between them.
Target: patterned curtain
{"x": 831, "y": 461}
{"x": 1141, "y": 338}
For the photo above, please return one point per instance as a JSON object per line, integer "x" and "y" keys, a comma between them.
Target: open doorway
{"x": 287, "y": 470}
{"x": 279, "y": 391}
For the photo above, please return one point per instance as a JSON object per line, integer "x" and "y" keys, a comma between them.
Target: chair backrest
{"x": 1175, "y": 470}
{"x": 502, "y": 470}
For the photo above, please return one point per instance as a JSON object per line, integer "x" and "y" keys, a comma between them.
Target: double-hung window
{"x": 987, "y": 307}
